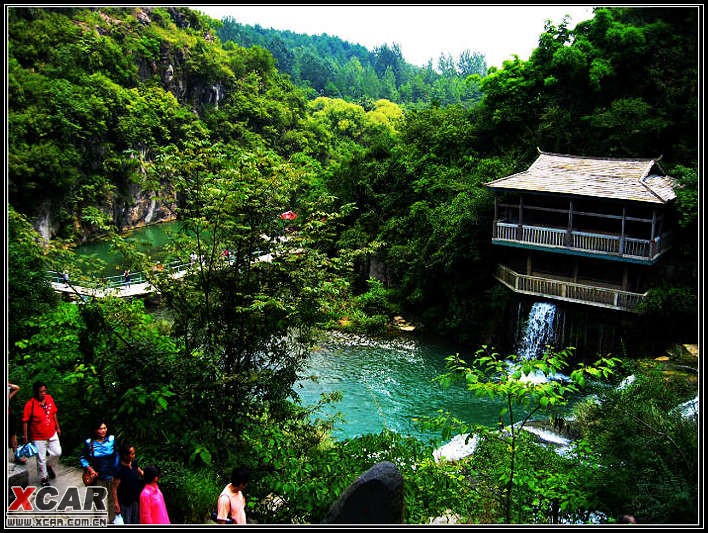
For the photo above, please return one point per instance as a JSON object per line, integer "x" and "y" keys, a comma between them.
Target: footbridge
{"x": 122, "y": 286}
{"x": 135, "y": 283}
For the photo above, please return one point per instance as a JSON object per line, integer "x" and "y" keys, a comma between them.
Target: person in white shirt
{"x": 231, "y": 505}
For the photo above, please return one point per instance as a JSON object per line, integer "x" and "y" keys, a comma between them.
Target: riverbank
{"x": 680, "y": 360}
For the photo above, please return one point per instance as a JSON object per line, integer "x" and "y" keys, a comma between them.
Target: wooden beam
{"x": 584, "y": 213}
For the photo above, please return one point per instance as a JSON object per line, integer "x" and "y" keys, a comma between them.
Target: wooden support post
{"x": 652, "y": 242}
{"x": 575, "y": 271}
{"x": 621, "y": 244}
{"x": 519, "y": 228}
{"x": 569, "y": 233}
{"x": 496, "y": 219}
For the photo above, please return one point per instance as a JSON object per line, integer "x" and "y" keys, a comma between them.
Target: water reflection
{"x": 150, "y": 240}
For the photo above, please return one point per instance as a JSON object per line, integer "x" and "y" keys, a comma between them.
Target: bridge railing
{"x": 119, "y": 281}
{"x": 569, "y": 291}
{"x": 609, "y": 244}
{"x": 80, "y": 281}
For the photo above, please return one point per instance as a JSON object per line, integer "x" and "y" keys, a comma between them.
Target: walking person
{"x": 231, "y": 505}
{"x": 40, "y": 425}
{"x": 152, "y": 502}
{"x": 100, "y": 455}
{"x": 126, "y": 277}
{"x": 13, "y": 389}
{"x": 127, "y": 485}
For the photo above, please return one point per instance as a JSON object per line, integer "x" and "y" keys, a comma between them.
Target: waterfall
{"x": 151, "y": 211}
{"x": 539, "y": 330}
{"x": 44, "y": 224}
{"x": 689, "y": 409}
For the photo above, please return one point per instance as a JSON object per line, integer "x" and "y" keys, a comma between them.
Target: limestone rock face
{"x": 376, "y": 497}
{"x": 170, "y": 69}
{"x": 142, "y": 208}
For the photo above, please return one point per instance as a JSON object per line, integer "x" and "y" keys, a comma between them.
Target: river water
{"x": 148, "y": 239}
{"x": 389, "y": 384}
{"x": 384, "y": 383}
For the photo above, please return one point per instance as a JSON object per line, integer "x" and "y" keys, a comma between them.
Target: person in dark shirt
{"x": 127, "y": 486}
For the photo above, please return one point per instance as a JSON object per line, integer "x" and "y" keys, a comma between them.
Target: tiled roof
{"x": 640, "y": 180}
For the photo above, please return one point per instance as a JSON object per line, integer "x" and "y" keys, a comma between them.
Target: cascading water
{"x": 540, "y": 330}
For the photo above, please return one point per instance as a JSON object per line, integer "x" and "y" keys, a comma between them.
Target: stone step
{"x": 25, "y": 475}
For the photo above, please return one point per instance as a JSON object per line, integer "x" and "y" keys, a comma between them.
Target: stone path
{"x": 66, "y": 477}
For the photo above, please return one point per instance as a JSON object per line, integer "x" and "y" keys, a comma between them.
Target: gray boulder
{"x": 376, "y": 497}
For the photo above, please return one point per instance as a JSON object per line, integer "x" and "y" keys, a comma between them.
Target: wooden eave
{"x": 638, "y": 180}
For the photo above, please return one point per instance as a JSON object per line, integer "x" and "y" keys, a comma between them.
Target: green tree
{"x": 470, "y": 63}
{"x": 390, "y": 57}
{"x": 247, "y": 321}
{"x": 687, "y": 194}
{"x": 29, "y": 292}
{"x": 446, "y": 65}
{"x": 649, "y": 447}
{"x": 527, "y": 387}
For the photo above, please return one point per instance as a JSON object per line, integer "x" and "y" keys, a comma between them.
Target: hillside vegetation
{"x": 121, "y": 116}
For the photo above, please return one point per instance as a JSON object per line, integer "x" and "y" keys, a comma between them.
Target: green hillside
{"x": 118, "y": 117}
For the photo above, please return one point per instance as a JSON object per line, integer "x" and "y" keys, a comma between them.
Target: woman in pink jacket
{"x": 152, "y": 502}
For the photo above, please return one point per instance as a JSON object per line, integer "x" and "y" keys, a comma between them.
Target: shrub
{"x": 649, "y": 450}
{"x": 190, "y": 495}
{"x": 376, "y": 300}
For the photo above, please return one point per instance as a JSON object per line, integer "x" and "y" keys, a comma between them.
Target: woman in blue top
{"x": 100, "y": 455}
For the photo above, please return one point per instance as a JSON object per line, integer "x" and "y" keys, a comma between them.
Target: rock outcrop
{"x": 376, "y": 497}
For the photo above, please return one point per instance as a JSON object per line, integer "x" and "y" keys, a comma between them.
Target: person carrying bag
{"x": 40, "y": 426}
{"x": 90, "y": 475}
{"x": 100, "y": 460}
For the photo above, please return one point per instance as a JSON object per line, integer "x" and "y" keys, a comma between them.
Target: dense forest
{"x": 119, "y": 117}
{"x": 327, "y": 66}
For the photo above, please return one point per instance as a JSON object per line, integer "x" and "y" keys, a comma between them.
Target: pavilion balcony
{"x": 559, "y": 289}
{"x": 608, "y": 246}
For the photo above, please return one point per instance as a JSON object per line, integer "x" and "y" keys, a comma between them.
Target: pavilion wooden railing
{"x": 569, "y": 291}
{"x": 583, "y": 241}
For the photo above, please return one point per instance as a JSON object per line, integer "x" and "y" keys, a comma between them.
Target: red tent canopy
{"x": 289, "y": 215}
